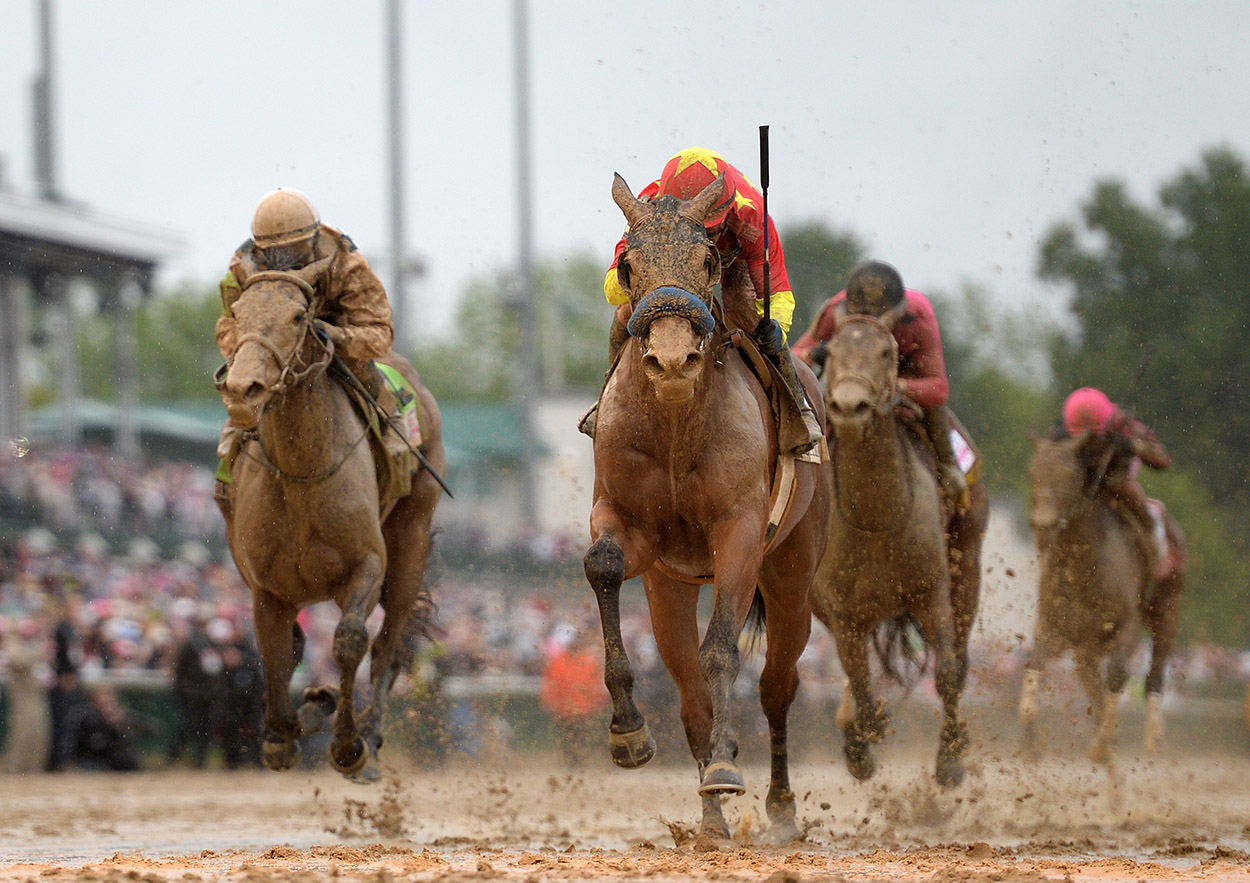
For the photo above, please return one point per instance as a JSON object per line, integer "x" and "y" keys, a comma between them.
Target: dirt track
{"x": 1171, "y": 817}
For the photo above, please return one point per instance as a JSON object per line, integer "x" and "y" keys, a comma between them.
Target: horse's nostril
{"x": 651, "y": 364}
{"x": 253, "y": 390}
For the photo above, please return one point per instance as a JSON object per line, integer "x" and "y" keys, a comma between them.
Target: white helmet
{"x": 283, "y": 217}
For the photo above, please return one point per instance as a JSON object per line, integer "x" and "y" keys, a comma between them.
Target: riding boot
{"x": 227, "y": 449}
{"x": 785, "y": 366}
{"x": 617, "y": 335}
{"x": 950, "y": 475}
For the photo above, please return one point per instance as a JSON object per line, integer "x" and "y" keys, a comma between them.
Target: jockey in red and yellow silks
{"x": 737, "y": 229}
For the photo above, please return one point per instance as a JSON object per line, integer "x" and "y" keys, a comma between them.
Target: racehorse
{"x": 1096, "y": 591}
{"x": 685, "y": 455}
{"x": 305, "y": 521}
{"x": 898, "y": 553}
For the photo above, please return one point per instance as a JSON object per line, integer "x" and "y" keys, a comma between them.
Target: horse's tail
{"x": 756, "y": 621}
{"x": 902, "y": 650}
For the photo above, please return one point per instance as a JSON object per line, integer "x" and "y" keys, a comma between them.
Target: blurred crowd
{"x": 92, "y": 489}
{"x": 82, "y": 616}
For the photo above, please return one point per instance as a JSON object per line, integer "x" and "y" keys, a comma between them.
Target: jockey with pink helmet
{"x": 1123, "y": 442}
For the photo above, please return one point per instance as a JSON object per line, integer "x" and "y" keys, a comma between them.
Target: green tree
{"x": 175, "y": 348}
{"x": 818, "y": 260}
{"x": 996, "y": 359}
{"x": 480, "y": 360}
{"x": 1161, "y": 314}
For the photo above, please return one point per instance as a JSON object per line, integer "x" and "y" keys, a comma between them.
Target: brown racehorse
{"x": 897, "y": 552}
{"x": 685, "y": 453}
{"x": 1095, "y": 593}
{"x": 304, "y": 521}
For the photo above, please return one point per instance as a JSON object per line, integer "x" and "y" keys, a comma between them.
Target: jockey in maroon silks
{"x": 872, "y": 289}
{"x": 1118, "y": 445}
{"x": 736, "y": 227}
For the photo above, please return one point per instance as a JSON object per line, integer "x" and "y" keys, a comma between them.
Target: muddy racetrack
{"x": 1179, "y": 815}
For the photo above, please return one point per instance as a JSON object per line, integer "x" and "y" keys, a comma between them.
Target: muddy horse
{"x": 1096, "y": 592}
{"x": 685, "y": 456}
{"x": 306, "y": 523}
{"x": 898, "y": 553}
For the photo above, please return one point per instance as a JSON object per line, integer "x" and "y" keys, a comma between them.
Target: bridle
{"x": 289, "y": 376}
{"x": 886, "y": 399}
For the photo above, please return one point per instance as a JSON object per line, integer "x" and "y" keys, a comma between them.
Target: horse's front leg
{"x": 1102, "y": 748}
{"x": 614, "y": 553}
{"x": 348, "y": 752}
{"x": 281, "y": 645}
{"x": 868, "y": 722}
{"x": 737, "y": 552}
{"x": 951, "y": 672}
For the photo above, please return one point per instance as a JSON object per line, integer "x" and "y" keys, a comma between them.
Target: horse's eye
{"x": 709, "y": 264}
{"x": 300, "y": 318}
{"x": 622, "y": 273}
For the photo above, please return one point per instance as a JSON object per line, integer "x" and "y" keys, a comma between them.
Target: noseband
{"x": 288, "y": 377}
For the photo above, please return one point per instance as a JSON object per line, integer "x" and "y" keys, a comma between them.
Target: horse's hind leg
{"x": 788, "y": 631}
{"x": 281, "y": 645}
{"x": 348, "y": 752}
{"x": 1164, "y": 619}
{"x": 629, "y": 739}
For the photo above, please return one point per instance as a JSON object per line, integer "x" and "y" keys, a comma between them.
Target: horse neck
{"x": 299, "y": 431}
{"x": 872, "y": 470}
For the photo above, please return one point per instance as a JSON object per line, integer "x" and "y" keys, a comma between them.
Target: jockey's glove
{"x": 769, "y": 337}
{"x": 332, "y": 333}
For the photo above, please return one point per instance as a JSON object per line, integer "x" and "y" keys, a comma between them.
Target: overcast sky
{"x": 949, "y": 136}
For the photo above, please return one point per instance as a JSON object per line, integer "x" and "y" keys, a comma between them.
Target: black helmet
{"x": 872, "y": 288}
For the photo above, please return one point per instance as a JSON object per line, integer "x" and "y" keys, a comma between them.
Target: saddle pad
{"x": 409, "y": 404}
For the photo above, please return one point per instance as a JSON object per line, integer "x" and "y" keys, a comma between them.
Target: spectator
{"x": 100, "y": 735}
{"x": 241, "y": 702}
{"x": 196, "y": 668}
{"x": 573, "y": 692}
{"x": 29, "y": 724}
{"x": 66, "y": 658}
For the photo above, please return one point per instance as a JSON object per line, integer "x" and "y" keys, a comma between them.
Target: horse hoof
{"x": 280, "y": 756}
{"x": 631, "y": 750}
{"x": 371, "y": 773}
{"x": 318, "y": 705}
{"x": 722, "y": 777}
{"x": 950, "y": 773}
{"x": 349, "y": 762}
{"x": 861, "y": 763}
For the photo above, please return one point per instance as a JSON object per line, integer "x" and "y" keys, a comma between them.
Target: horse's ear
{"x": 894, "y": 315}
{"x": 840, "y": 312}
{"x": 697, "y": 208}
{"x": 633, "y": 208}
{"x": 315, "y": 270}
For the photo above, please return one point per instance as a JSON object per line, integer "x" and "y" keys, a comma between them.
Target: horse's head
{"x": 1057, "y": 479}
{"x": 860, "y": 379}
{"x": 668, "y": 268}
{"x": 273, "y": 320}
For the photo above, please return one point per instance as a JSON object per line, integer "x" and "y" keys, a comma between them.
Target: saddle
{"x": 395, "y": 436}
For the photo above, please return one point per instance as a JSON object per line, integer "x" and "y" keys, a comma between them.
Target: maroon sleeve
{"x": 921, "y": 362}
{"x": 821, "y": 329}
{"x": 1142, "y": 440}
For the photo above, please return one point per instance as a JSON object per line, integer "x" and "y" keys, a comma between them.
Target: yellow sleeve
{"x": 612, "y": 289}
{"x": 780, "y": 307}
{"x": 230, "y": 291}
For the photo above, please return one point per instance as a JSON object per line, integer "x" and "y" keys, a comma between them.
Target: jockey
{"x": 1118, "y": 444}
{"x": 736, "y": 228}
{"x": 872, "y": 289}
{"x": 287, "y": 234}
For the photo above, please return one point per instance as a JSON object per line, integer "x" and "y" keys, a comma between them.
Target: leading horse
{"x": 305, "y": 521}
{"x": 898, "y": 552}
{"x": 1095, "y": 593}
{"x": 685, "y": 455}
